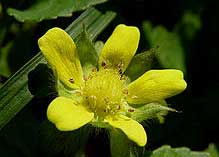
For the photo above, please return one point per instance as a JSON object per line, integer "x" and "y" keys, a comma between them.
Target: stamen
{"x": 103, "y": 64}
{"x": 131, "y": 110}
{"x": 104, "y": 92}
{"x": 71, "y": 80}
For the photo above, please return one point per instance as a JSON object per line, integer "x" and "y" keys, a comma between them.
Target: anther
{"x": 71, "y": 80}
{"x": 106, "y": 99}
{"x": 85, "y": 78}
{"x": 118, "y": 107}
{"x": 120, "y": 71}
{"x": 103, "y": 64}
{"x": 94, "y": 70}
{"x": 125, "y": 91}
{"x": 93, "y": 97}
{"x": 120, "y": 65}
{"x": 131, "y": 110}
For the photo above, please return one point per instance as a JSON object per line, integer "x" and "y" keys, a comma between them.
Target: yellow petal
{"x": 66, "y": 115}
{"x": 130, "y": 127}
{"x": 60, "y": 51}
{"x": 120, "y": 47}
{"x": 156, "y": 85}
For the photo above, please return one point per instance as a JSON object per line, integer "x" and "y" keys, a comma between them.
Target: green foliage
{"x": 167, "y": 151}
{"x": 188, "y": 26}
{"x": 2, "y": 32}
{"x": 140, "y": 63}
{"x": 14, "y": 94}
{"x": 51, "y": 9}
{"x": 119, "y": 144}
{"x": 5, "y": 71}
{"x": 170, "y": 52}
{"x": 212, "y": 150}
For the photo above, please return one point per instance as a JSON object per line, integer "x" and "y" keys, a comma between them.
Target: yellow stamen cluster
{"x": 103, "y": 92}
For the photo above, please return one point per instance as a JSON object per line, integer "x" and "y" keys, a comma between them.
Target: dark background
{"x": 198, "y": 123}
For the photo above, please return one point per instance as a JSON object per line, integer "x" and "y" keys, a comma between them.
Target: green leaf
{"x": 119, "y": 144}
{"x": 170, "y": 53}
{"x": 4, "y": 67}
{"x": 87, "y": 52}
{"x": 14, "y": 94}
{"x": 151, "y": 111}
{"x": 140, "y": 64}
{"x": 167, "y": 151}
{"x": 51, "y": 9}
{"x": 212, "y": 150}
{"x": 189, "y": 25}
{"x": 3, "y": 30}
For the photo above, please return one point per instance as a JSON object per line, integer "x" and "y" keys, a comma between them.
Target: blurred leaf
{"x": 167, "y": 151}
{"x": 87, "y": 52}
{"x": 189, "y": 25}
{"x": 0, "y": 8}
{"x": 151, "y": 111}
{"x": 51, "y": 9}
{"x": 212, "y": 150}
{"x": 170, "y": 52}
{"x": 4, "y": 67}
{"x": 119, "y": 144}
{"x": 2, "y": 33}
{"x": 14, "y": 94}
{"x": 140, "y": 64}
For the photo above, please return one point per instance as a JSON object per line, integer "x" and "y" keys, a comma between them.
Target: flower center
{"x": 103, "y": 92}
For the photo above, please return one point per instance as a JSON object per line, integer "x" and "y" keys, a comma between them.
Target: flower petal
{"x": 130, "y": 127}
{"x": 60, "y": 51}
{"x": 156, "y": 85}
{"x": 66, "y": 115}
{"x": 120, "y": 47}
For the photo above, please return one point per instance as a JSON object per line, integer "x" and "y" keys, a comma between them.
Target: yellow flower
{"x": 105, "y": 97}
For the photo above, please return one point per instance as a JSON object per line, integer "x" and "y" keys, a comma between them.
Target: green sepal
{"x": 87, "y": 52}
{"x": 65, "y": 91}
{"x": 167, "y": 151}
{"x": 99, "y": 46}
{"x": 140, "y": 64}
{"x": 151, "y": 111}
